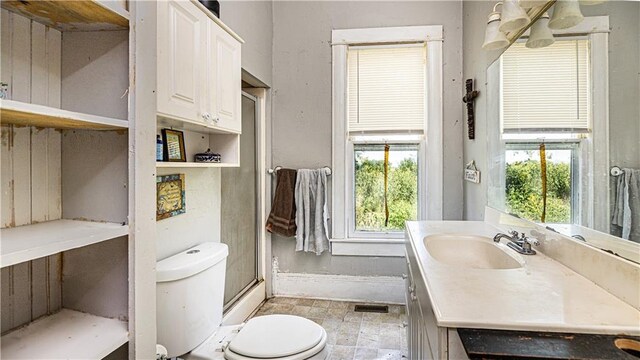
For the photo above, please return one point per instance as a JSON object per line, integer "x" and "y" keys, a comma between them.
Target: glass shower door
{"x": 239, "y": 211}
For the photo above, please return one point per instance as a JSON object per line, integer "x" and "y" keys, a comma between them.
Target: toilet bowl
{"x": 189, "y": 296}
{"x": 275, "y": 337}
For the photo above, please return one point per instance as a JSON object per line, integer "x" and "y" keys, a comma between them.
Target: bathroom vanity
{"x": 458, "y": 277}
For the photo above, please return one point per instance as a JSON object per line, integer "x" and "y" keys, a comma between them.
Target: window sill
{"x": 368, "y": 247}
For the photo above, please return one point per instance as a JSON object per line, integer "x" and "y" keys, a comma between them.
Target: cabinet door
{"x": 181, "y": 30}
{"x": 225, "y": 88}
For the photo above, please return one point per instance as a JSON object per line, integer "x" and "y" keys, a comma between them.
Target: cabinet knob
{"x": 413, "y": 297}
{"x": 206, "y": 116}
{"x": 404, "y": 276}
{"x": 216, "y": 119}
{"x": 405, "y": 324}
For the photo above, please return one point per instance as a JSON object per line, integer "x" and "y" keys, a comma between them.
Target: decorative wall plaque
{"x": 170, "y": 196}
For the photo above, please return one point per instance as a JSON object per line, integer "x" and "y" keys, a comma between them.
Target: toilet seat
{"x": 282, "y": 337}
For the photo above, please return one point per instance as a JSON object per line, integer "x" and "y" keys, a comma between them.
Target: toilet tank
{"x": 189, "y": 296}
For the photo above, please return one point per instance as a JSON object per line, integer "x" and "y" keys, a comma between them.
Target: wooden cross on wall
{"x": 469, "y": 99}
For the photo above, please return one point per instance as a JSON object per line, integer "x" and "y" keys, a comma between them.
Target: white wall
{"x": 201, "y": 222}
{"x": 476, "y": 62}
{"x": 253, "y": 21}
{"x": 302, "y": 102}
{"x": 624, "y": 75}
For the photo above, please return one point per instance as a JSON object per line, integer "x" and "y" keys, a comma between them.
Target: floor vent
{"x": 384, "y": 309}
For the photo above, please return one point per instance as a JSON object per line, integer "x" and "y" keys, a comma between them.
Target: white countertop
{"x": 543, "y": 295}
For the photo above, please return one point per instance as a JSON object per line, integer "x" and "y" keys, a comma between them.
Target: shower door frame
{"x": 250, "y": 298}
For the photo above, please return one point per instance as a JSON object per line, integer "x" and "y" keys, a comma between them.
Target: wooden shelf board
{"x": 76, "y": 15}
{"x": 66, "y": 334}
{"x": 190, "y": 125}
{"x": 28, "y": 242}
{"x": 25, "y": 114}
{"x": 193, "y": 165}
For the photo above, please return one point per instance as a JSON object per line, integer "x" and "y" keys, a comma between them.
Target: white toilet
{"x": 190, "y": 292}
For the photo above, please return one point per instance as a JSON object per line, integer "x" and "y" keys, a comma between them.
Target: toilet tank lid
{"x": 190, "y": 262}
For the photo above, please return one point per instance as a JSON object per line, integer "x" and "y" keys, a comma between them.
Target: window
{"x": 387, "y": 104}
{"x": 545, "y": 99}
{"x": 524, "y": 183}
{"x": 574, "y": 117}
{"x": 401, "y": 196}
{"x": 386, "y": 88}
{"x": 386, "y": 95}
{"x": 546, "y": 89}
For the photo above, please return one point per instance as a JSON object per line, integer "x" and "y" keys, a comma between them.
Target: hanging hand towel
{"x": 626, "y": 208}
{"x": 311, "y": 211}
{"x": 282, "y": 219}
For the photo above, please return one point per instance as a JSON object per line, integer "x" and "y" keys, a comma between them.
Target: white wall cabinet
{"x": 224, "y": 79}
{"x": 199, "y": 69}
{"x": 181, "y": 33}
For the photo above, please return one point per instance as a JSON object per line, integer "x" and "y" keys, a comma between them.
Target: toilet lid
{"x": 273, "y": 336}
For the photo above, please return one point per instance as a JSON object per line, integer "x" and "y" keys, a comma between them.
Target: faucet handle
{"x": 531, "y": 240}
{"x": 513, "y": 233}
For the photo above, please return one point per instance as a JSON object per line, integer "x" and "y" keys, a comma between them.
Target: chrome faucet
{"x": 521, "y": 244}
{"x": 513, "y": 236}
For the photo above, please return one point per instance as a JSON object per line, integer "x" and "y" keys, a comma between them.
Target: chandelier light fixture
{"x": 494, "y": 38}
{"x": 515, "y": 16}
{"x": 541, "y": 35}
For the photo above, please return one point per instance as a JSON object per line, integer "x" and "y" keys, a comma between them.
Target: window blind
{"x": 386, "y": 88}
{"x": 546, "y": 89}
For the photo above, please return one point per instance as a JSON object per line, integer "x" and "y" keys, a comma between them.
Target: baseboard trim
{"x": 375, "y": 289}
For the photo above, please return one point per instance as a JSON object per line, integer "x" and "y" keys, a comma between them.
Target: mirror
{"x": 571, "y": 111}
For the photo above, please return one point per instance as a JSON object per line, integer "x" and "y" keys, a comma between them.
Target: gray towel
{"x": 626, "y": 208}
{"x": 311, "y": 211}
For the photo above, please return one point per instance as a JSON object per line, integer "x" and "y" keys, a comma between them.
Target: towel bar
{"x": 275, "y": 170}
{"x": 616, "y": 171}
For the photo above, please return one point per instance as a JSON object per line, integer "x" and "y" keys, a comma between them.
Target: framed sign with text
{"x": 173, "y": 145}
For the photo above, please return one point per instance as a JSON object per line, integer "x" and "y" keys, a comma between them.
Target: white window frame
{"x": 430, "y": 183}
{"x": 593, "y": 189}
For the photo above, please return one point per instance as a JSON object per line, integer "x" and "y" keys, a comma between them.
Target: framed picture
{"x": 170, "y": 200}
{"x": 173, "y": 145}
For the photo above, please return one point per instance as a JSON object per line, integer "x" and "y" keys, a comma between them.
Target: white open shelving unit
{"x": 64, "y": 250}
{"x": 66, "y": 334}
{"x": 199, "y": 138}
{"x": 78, "y": 15}
{"x": 29, "y": 242}
{"x": 25, "y": 114}
{"x": 166, "y": 164}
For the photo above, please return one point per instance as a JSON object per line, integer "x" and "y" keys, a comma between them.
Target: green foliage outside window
{"x": 369, "y": 192}
{"x": 524, "y": 191}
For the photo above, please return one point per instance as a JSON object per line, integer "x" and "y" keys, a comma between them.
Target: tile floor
{"x": 351, "y": 335}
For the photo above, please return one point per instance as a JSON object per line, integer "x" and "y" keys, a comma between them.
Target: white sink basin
{"x": 470, "y": 251}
